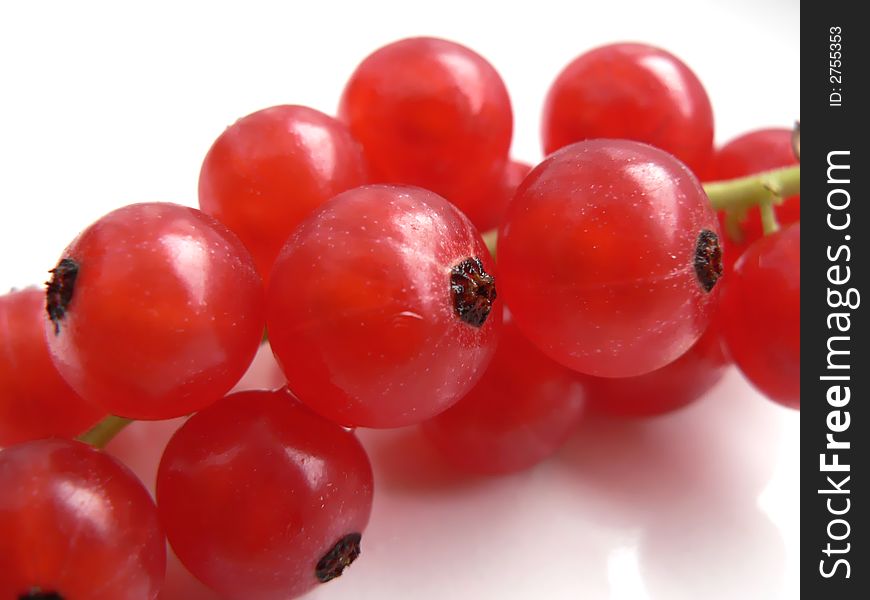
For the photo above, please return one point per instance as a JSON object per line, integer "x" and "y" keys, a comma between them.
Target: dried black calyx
{"x": 473, "y": 291}
{"x": 39, "y": 595}
{"x": 708, "y": 259}
{"x": 345, "y": 551}
{"x": 59, "y": 293}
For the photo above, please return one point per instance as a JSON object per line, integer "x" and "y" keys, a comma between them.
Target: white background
{"x": 104, "y": 104}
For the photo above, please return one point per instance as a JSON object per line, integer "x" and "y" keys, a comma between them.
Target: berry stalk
{"x": 769, "y": 222}
{"x": 102, "y": 433}
{"x": 754, "y": 190}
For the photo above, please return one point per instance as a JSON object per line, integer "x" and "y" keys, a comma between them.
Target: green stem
{"x": 490, "y": 238}
{"x": 102, "y": 433}
{"x": 769, "y": 222}
{"x": 732, "y": 226}
{"x": 746, "y": 192}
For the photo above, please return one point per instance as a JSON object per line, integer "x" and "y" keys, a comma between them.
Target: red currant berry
{"x": 489, "y": 213}
{"x": 751, "y": 153}
{"x": 381, "y": 307}
{"x": 269, "y": 170}
{"x": 140, "y": 446}
{"x": 761, "y": 308}
{"x": 609, "y": 256}
{"x": 432, "y": 113}
{"x": 521, "y": 411}
{"x": 156, "y": 311}
{"x": 262, "y": 498}
{"x": 664, "y": 390}
{"x": 635, "y": 92}
{"x": 76, "y": 524}
{"x": 35, "y": 402}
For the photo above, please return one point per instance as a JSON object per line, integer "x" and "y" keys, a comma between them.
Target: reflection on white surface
{"x": 623, "y": 574}
{"x": 697, "y": 505}
{"x": 665, "y": 509}
{"x": 780, "y": 502}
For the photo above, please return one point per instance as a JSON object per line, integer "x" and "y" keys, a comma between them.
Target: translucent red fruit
{"x": 664, "y": 390}
{"x": 521, "y": 411}
{"x": 750, "y": 153}
{"x": 77, "y": 524}
{"x": 269, "y": 170}
{"x": 35, "y": 402}
{"x": 382, "y": 307}
{"x": 608, "y": 258}
{"x": 635, "y": 92}
{"x": 263, "y": 499}
{"x": 761, "y": 308}
{"x": 431, "y": 113}
{"x": 157, "y": 310}
{"x": 140, "y": 446}
{"x": 490, "y": 211}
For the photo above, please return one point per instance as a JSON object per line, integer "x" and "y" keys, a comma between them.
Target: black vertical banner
{"x": 835, "y": 225}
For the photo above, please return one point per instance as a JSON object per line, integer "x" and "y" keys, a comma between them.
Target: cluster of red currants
{"x": 384, "y": 309}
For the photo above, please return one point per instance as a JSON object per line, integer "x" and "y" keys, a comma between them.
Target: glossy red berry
{"x": 35, "y": 402}
{"x": 269, "y": 170}
{"x": 76, "y": 524}
{"x": 521, "y": 411}
{"x": 664, "y": 390}
{"x": 431, "y": 113}
{"x": 489, "y": 212}
{"x": 748, "y": 154}
{"x": 263, "y": 499}
{"x": 156, "y": 311}
{"x": 382, "y": 307}
{"x": 139, "y": 446}
{"x": 761, "y": 308}
{"x": 635, "y": 92}
{"x": 608, "y": 258}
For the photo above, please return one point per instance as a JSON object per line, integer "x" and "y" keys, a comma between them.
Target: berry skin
{"x": 489, "y": 213}
{"x": 635, "y": 92}
{"x": 76, "y": 524}
{"x": 748, "y": 154}
{"x": 435, "y": 114}
{"x": 521, "y": 411}
{"x": 35, "y": 402}
{"x": 270, "y": 169}
{"x": 381, "y": 307}
{"x": 140, "y": 446}
{"x": 761, "y": 308}
{"x": 664, "y": 390}
{"x": 608, "y": 258}
{"x": 164, "y": 314}
{"x": 263, "y": 499}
